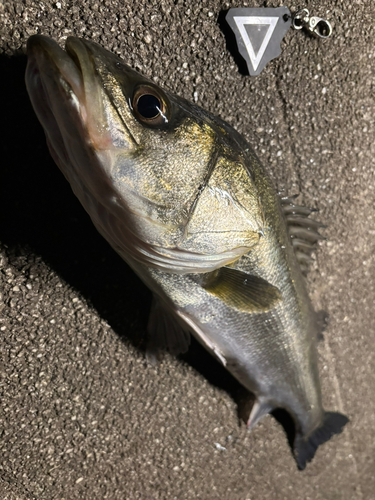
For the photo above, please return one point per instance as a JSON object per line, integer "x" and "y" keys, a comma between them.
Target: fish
{"x": 180, "y": 195}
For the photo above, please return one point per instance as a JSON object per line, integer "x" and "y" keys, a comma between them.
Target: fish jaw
{"x": 69, "y": 100}
{"x": 57, "y": 89}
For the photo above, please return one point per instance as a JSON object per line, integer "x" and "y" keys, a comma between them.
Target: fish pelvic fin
{"x": 165, "y": 333}
{"x": 306, "y": 446}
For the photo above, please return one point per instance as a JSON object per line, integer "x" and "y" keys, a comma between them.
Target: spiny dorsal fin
{"x": 303, "y": 231}
{"x": 242, "y": 291}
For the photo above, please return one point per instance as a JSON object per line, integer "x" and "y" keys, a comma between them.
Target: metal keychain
{"x": 259, "y": 32}
{"x": 317, "y": 26}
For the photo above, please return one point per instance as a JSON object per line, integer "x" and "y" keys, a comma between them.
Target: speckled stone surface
{"x": 82, "y": 416}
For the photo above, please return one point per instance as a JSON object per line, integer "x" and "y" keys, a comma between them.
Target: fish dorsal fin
{"x": 241, "y": 291}
{"x": 302, "y": 230}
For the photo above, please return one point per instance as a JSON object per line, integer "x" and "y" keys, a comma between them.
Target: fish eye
{"x": 149, "y": 106}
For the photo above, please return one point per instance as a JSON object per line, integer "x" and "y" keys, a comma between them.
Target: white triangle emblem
{"x": 258, "y": 34}
{"x": 256, "y": 52}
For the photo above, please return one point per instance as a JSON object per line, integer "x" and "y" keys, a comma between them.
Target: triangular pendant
{"x": 258, "y": 34}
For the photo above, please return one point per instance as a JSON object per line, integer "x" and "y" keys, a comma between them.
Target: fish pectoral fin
{"x": 241, "y": 291}
{"x": 165, "y": 333}
{"x": 306, "y": 446}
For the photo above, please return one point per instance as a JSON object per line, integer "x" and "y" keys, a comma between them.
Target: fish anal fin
{"x": 259, "y": 410}
{"x": 305, "y": 447}
{"x": 165, "y": 332}
{"x": 241, "y": 291}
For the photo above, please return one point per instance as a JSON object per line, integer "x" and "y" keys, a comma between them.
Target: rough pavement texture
{"x": 82, "y": 416}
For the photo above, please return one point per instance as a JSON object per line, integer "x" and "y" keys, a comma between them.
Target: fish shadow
{"x": 40, "y": 215}
{"x": 219, "y": 377}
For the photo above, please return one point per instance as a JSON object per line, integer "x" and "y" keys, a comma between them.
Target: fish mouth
{"x": 50, "y": 72}
{"x": 61, "y": 82}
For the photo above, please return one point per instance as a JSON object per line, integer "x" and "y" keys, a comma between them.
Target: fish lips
{"x": 47, "y": 59}
{"x": 64, "y": 87}
{"x": 57, "y": 83}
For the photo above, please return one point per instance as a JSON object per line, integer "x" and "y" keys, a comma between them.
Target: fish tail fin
{"x": 305, "y": 447}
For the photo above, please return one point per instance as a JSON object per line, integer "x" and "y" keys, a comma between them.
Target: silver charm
{"x": 315, "y": 25}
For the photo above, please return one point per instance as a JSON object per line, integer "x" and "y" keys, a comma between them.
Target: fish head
{"x": 140, "y": 159}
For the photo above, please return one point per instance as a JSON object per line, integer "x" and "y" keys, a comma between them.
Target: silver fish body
{"x": 182, "y": 198}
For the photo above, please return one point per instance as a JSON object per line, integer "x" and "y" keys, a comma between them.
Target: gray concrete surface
{"x": 82, "y": 416}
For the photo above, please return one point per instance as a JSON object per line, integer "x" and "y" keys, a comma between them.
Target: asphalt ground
{"x": 82, "y": 415}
